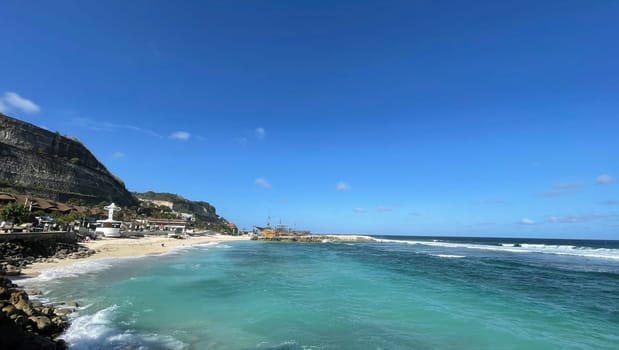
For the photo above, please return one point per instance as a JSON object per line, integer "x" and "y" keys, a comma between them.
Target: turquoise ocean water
{"x": 398, "y": 293}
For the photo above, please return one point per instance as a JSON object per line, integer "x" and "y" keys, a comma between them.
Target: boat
{"x": 109, "y": 227}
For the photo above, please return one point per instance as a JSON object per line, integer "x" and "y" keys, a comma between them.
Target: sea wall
{"x": 43, "y": 238}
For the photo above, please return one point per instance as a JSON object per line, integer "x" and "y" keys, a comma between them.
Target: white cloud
{"x": 12, "y": 101}
{"x": 118, "y": 155}
{"x": 526, "y": 221}
{"x": 260, "y": 133}
{"x": 383, "y": 209}
{"x": 180, "y": 135}
{"x": 263, "y": 182}
{"x": 359, "y": 210}
{"x": 604, "y": 179}
{"x": 342, "y": 186}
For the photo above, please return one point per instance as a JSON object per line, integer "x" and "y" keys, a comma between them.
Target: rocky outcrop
{"x": 47, "y": 164}
{"x": 16, "y": 254}
{"x": 26, "y": 324}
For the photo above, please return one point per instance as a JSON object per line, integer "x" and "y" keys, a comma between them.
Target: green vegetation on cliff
{"x": 164, "y": 204}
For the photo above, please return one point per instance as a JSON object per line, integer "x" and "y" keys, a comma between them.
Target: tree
{"x": 62, "y": 219}
{"x": 17, "y": 213}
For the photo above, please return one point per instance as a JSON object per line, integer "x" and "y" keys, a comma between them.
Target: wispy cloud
{"x": 342, "y": 186}
{"x": 526, "y": 221}
{"x": 112, "y": 127}
{"x": 604, "y": 179}
{"x": 577, "y": 218}
{"x": 359, "y": 210}
{"x": 261, "y": 134}
{"x": 250, "y": 137}
{"x": 180, "y": 135}
{"x": 562, "y": 189}
{"x": 263, "y": 182}
{"x": 241, "y": 141}
{"x": 118, "y": 155}
{"x": 384, "y": 209}
{"x": 11, "y": 101}
{"x": 492, "y": 202}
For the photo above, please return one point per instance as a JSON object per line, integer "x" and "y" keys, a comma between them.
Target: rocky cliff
{"x": 39, "y": 162}
{"x": 203, "y": 211}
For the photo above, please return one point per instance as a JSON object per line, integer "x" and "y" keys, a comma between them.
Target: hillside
{"x": 39, "y": 162}
{"x": 203, "y": 212}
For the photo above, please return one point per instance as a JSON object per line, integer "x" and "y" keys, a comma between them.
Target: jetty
{"x": 315, "y": 238}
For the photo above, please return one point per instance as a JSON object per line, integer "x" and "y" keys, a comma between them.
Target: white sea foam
{"x": 569, "y": 250}
{"x": 72, "y": 270}
{"x": 177, "y": 250}
{"x": 98, "y": 331}
{"x": 204, "y": 245}
{"x": 449, "y": 256}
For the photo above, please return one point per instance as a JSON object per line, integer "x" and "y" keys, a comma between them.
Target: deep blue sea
{"x": 396, "y": 293}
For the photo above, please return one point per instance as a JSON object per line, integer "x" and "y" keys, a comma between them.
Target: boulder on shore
{"x": 27, "y": 325}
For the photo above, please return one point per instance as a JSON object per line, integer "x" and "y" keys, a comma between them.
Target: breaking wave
{"x": 569, "y": 250}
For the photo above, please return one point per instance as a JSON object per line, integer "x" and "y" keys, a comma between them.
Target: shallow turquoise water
{"x": 390, "y": 295}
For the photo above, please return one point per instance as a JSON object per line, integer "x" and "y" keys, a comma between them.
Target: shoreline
{"x": 125, "y": 248}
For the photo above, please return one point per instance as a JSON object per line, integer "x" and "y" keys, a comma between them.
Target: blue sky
{"x": 489, "y": 118}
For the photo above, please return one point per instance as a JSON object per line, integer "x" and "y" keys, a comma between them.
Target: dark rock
{"x": 59, "y": 322}
{"x": 28, "y": 325}
{"x": 17, "y": 296}
{"x": 34, "y": 292}
{"x": 24, "y": 306}
{"x": 9, "y": 310}
{"x": 63, "y": 312}
{"x": 11, "y": 270}
{"x": 4, "y": 293}
{"x": 42, "y": 323}
{"x": 21, "y": 320}
{"x": 48, "y": 310}
{"x": 61, "y": 344}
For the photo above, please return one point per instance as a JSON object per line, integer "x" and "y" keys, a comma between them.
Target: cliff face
{"x": 44, "y": 163}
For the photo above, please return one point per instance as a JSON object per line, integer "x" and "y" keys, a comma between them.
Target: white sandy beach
{"x": 129, "y": 247}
